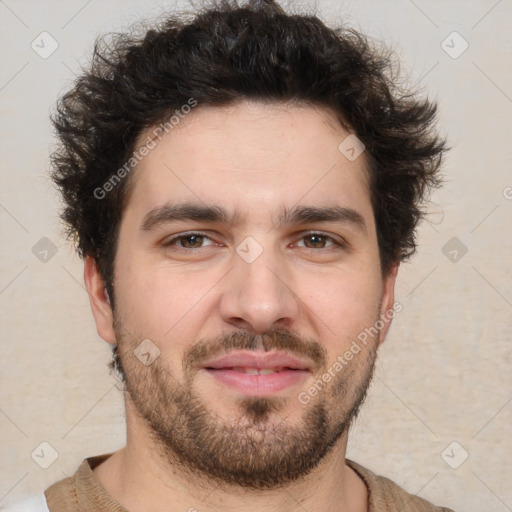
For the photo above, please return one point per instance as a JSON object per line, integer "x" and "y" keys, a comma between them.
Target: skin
{"x": 255, "y": 159}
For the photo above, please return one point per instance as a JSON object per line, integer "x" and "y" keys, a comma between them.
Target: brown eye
{"x": 319, "y": 241}
{"x": 191, "y": 241}
{"x": 316, "y": 241}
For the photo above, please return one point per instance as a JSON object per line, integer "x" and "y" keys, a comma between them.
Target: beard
{"x": 257, "y": 448}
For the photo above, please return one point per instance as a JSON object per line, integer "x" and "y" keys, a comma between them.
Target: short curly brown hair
{"x": 225, "y": 53}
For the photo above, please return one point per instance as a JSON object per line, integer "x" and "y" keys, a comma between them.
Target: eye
{"x": 316, "y": 240}
{"x": 188, "y": 241}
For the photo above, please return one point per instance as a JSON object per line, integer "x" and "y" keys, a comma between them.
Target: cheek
{"x": 163, "y": 301}
{"x": 345, "y": 302}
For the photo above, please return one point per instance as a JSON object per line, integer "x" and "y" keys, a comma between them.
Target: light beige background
{"x": 444, "y": 373}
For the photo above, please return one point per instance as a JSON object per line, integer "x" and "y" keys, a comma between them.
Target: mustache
{"x": 274, "y": 339}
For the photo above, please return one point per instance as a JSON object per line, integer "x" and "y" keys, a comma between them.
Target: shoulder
{"x": 36, "y": 503}
{"x": 386, "y": 495}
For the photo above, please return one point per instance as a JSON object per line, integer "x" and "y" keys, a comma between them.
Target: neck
{"x": 141, "y": 480}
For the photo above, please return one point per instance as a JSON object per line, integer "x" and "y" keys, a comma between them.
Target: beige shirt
{"x": 82, "y": 492}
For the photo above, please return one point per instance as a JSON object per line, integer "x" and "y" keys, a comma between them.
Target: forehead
{"x": 250, "y": 157}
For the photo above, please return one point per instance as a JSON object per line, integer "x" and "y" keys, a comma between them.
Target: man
{"x": 242, "y": 187}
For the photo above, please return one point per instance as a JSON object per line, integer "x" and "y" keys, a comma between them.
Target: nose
{"x": 259, "y": 296}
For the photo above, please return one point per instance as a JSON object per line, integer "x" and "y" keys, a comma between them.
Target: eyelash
{"x": 170, "y": 242}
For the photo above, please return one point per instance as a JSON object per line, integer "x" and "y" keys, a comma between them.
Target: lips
{"x": 258, "y": 374}
{"x": 259, "y": 361}
{"x": 258, "y": 371}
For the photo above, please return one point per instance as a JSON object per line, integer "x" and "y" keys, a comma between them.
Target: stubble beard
{"x": 257, "y": 449}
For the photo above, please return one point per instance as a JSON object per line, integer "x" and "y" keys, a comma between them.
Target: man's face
{"x": 281, "y": 295}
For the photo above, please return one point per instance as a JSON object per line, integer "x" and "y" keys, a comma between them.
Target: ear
{"x": 388, "y": 307}
{"x": 98, "y": 298}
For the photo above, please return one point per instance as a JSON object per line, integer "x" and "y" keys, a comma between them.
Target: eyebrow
{"x": 310, "y": 214}
{"x": 213, "y": 213}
